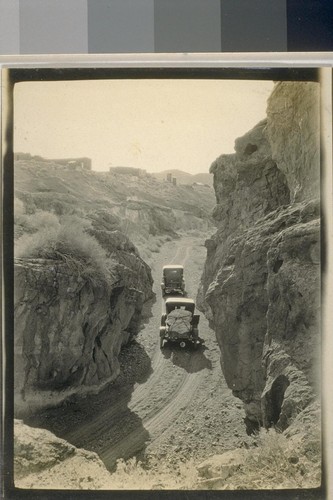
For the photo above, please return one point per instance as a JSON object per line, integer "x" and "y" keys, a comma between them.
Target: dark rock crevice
{"x": 274, "y": 399}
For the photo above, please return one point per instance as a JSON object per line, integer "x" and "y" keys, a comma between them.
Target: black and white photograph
{"x": 168, "y": 280}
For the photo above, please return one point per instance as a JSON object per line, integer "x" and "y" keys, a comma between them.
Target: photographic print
{"x": 167, "y": 279}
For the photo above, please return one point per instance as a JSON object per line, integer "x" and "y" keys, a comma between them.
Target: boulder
{"x": 220, "y": 467}
{"x": 41, "y": 460}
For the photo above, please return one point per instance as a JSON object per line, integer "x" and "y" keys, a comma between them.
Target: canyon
{"x": 88, "y": 367}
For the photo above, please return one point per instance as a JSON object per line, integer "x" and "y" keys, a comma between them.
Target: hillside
{"x": 141, "y": 206}
{"x": 185, "y": 177}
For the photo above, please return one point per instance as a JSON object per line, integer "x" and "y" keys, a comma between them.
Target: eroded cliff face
{"x": 261, "y": 283}
{"x": 144, "y": 219}
{"x": 69, "y": 329}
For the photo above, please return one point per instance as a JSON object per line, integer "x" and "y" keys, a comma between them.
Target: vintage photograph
{"x": 167, "y": 281}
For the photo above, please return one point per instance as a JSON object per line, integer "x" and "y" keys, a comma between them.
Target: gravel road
{"x": 166, "y": 406}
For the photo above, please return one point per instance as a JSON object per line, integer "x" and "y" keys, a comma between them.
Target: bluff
{"x": 260, "y": 287}
{"x": 78, "y": 299}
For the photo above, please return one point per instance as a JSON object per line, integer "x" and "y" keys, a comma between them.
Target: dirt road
{"x": 167, "y": 406}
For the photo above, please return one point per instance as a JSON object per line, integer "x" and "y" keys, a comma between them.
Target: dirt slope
{"x": 138, "y": 205}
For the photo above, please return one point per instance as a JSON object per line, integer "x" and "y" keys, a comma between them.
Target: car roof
{"x": 170, "y": 266}
{"x": 179, "y": 300}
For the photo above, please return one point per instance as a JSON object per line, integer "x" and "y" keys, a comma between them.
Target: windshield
{"x": 170, "y": 306}
{"x": 173, "y": 274}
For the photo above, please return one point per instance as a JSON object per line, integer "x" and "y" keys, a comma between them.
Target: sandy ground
{"x": 167, "y": 407}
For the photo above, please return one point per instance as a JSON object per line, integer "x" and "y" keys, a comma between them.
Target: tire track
{"x": 140, "y": 392}
{"x": 159, "y": 419}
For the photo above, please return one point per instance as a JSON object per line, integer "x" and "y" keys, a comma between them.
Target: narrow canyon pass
{"x": 98, "y": 403}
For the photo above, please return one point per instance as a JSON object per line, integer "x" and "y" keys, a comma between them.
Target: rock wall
{"x": 293, "y": 133}
{"x": 69, "y": 329}
{"x": 261, "y": 284}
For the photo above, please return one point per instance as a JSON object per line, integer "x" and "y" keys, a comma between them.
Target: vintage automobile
{"x": 173, "y": 280}
{"x": 179, "y": 324}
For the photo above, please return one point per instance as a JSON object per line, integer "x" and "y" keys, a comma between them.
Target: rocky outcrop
{"x": 293, "y": 132}
{"x": 70, "y": 327}
{"x": 261, "y": 283}
{"x": 41, "y": 460}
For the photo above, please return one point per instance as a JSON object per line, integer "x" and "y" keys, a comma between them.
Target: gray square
{"x": 53, "y": 27}
{"x": 187, "y": 26}
{"x": 9, "y": 27}
{"x": 120, "y": 26}
{"x": 254, "y": 26}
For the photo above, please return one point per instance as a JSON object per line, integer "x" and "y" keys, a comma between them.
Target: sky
{"x": 156, "y": 125}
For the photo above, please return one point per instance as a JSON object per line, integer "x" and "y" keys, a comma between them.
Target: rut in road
{"x": 141, "y": 392}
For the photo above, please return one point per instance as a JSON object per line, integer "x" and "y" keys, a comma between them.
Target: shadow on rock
{"x": 102, "y": 422}
{"x": 188, "y": 358}
{"x": 252, "y": 428}
{"x": 147, "y": 312}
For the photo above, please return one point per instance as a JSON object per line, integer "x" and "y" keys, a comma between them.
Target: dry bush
{"x": 131, "y": 475}
{"x": 75, "y": 219}
{"x": 277, "y": 462}
{"x": 31, "y": 223}
{"x": 27, "y": 223}
{"x": 19, "y": 209}
{"x": 69, "y": 243}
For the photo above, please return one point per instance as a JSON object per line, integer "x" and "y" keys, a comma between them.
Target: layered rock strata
{"x": 69, "y": 328}
{"x": 261, "y": 283}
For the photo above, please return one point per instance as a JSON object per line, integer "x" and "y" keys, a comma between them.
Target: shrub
{"x": 131, "y": 474}
{"x": 19, "y": 209}
{"x": 68, "y": 243}
{"x": 75, "y": 220}
{"x": 276, "y": 462}
{"x": 31, "y": 223}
